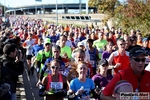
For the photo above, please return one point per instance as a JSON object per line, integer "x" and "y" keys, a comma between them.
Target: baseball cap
{"x": 145, "y": 39}
{"x": 136, "y": 51}
{"x": 103, "y": 62}
{"x": 47, "y": 40}
{"x": 80, "y": 44}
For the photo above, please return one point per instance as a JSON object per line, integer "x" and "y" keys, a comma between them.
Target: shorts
{"x": 29, "y": 57}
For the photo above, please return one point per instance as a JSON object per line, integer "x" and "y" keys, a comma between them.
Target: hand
{"x": 65, "y": 55}
{"x": 97, "y": 91}
{"x": 117, "y": 65}
{"x": 37, "y": 84}
{"x": 79, "y": 92}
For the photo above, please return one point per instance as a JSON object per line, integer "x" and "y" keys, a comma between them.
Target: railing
{"x": 76, "y": 17}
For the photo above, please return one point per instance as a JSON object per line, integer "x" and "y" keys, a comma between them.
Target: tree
{"x": 133, "y": 14}
{"x": 106, "y": 7}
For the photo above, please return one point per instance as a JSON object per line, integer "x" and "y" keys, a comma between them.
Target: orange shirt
{"x": 139, "y": 43}
{"x": 67, "y": 29}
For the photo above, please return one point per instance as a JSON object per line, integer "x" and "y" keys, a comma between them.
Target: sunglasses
{"x": 104, "y": 65}
{"x": 138, "y": 60}
{"x": 55, "y": 67}
{"x": 122, "y": 44}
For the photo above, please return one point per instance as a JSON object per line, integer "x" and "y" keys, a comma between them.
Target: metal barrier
{"x": 76, "y": 17}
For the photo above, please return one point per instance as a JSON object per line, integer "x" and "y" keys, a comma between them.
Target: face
{"x": 80, "y": 57}
{"x": 55, "y": 67}
{"x": 40, "y": 41}
{"x": 30, "y": 36}
{"x": 103, "y": 68}
{"x": 47, "y": 46}
{"x": 63, "y": 39}
{"x": 56, "y": 52}
{"x": 139, "y": 37}
{"x": 138, "y": 63}
{"x": 100, "y": 36}
{"x": 82, "y": 70}
{"x": 121, "y": 45}
{"x": 109, "y": 46}
{"x": 125, "y": 88}
{"x": 88, "y": 36}
{"x": 89, "y": 44}
{"x": 14, "y": 54}
{"x": 53, "y": 33}
{"x": 145, "y": 44}
{"x": 127, "y": 44}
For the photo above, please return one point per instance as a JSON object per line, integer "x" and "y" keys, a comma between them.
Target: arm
{"x": 97, "y": 55}
{"x": 110, "y": 59}
{"x": 44, "y": 69}
{"x": 107, "y": 93}
{"x": 33, "y": 51}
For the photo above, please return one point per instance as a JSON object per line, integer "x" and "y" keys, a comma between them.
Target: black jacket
{"x": 11, "y": 70}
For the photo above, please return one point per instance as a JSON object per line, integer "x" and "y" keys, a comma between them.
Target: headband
{"x": 122, "y": 84}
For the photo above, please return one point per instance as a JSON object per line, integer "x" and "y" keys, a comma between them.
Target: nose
{"x": 140, "y": 62}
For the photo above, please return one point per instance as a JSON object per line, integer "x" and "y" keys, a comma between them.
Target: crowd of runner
{"x": 77, "y": 62}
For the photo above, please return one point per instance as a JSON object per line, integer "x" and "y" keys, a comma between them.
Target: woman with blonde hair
{"x": 82, "y": 86}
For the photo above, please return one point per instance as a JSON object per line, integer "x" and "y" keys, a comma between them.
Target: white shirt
{"x": 29, "y": 46}
{"x": 68, "y": 43}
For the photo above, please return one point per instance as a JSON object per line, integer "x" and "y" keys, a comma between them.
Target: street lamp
{"x": 56, "y": 14}
{"x": 4, "y": 7}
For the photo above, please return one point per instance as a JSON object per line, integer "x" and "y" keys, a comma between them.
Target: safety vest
{"x": 50, "y": 80}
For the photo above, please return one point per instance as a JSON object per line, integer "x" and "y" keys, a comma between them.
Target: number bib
{"x": 56, "y": 85}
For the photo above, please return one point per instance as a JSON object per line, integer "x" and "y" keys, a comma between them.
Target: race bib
{"x": 56, "y": 85}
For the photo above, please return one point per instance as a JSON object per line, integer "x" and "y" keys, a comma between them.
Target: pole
{"x": 80, "y": 6}
{"x": 4, "y": 7}
{"x": 56, "y": 14}
{"x": 87, "y": 10}
{"x": 35, "y": 8}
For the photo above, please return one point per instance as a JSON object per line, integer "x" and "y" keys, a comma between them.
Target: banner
{"x": 1, "y": 12}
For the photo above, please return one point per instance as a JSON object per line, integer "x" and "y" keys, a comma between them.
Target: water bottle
{"x": 80, "y": 96}
{"x": 82, "y": 88}
{"x": 135, "y": 97}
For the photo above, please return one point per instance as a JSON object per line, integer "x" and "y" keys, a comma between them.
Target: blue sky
{"x": 15, "y": 3}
